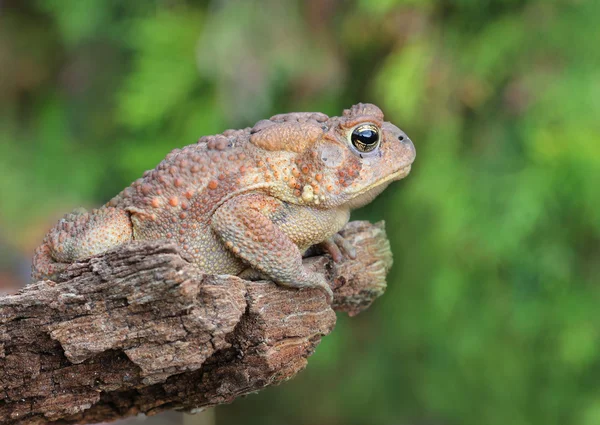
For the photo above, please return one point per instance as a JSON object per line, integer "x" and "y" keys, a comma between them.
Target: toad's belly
{"x": 198, "y": 243}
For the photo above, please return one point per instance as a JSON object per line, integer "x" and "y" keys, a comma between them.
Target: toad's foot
{"x": 337, "y": 246}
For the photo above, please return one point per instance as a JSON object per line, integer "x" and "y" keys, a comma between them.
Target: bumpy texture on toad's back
{"x": 255, "y": 197}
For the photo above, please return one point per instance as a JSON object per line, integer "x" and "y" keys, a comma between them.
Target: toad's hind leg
{"x": 80, "y": 235}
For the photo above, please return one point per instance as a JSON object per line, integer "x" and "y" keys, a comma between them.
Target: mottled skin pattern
{"x": 255, "y": 197}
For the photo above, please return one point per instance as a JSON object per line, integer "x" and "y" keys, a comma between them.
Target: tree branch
{"x": 140, "y": 330}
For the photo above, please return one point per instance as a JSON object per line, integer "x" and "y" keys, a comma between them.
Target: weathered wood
{"x": 141, "y": 330}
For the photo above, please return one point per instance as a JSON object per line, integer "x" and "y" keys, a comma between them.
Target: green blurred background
{"x": 491, "y": 314}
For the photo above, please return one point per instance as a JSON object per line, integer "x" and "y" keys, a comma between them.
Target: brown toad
{"x": 256, "y": 197}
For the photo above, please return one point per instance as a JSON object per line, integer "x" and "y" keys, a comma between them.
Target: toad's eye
{"x": 365, "y": 137}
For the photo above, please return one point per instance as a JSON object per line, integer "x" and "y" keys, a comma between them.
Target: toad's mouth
{"x": 366, "y": 195}
{"x": 398, "y": 175}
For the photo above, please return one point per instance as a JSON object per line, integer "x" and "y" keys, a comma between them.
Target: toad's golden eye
{"x": 365, "y": 137}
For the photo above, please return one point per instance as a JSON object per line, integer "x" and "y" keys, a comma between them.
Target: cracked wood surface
{"x": 141, "y": 330}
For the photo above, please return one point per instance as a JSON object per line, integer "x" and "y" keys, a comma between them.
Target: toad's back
{"x": 177, "y": 199}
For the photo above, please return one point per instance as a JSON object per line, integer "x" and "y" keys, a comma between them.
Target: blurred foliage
{"x": 489, "y": 316}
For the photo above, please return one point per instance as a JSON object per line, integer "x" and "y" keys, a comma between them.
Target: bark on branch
{"x": 141, "y": 330}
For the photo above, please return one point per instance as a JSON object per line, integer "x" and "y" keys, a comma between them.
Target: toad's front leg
{"x": 251, "y": 226}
